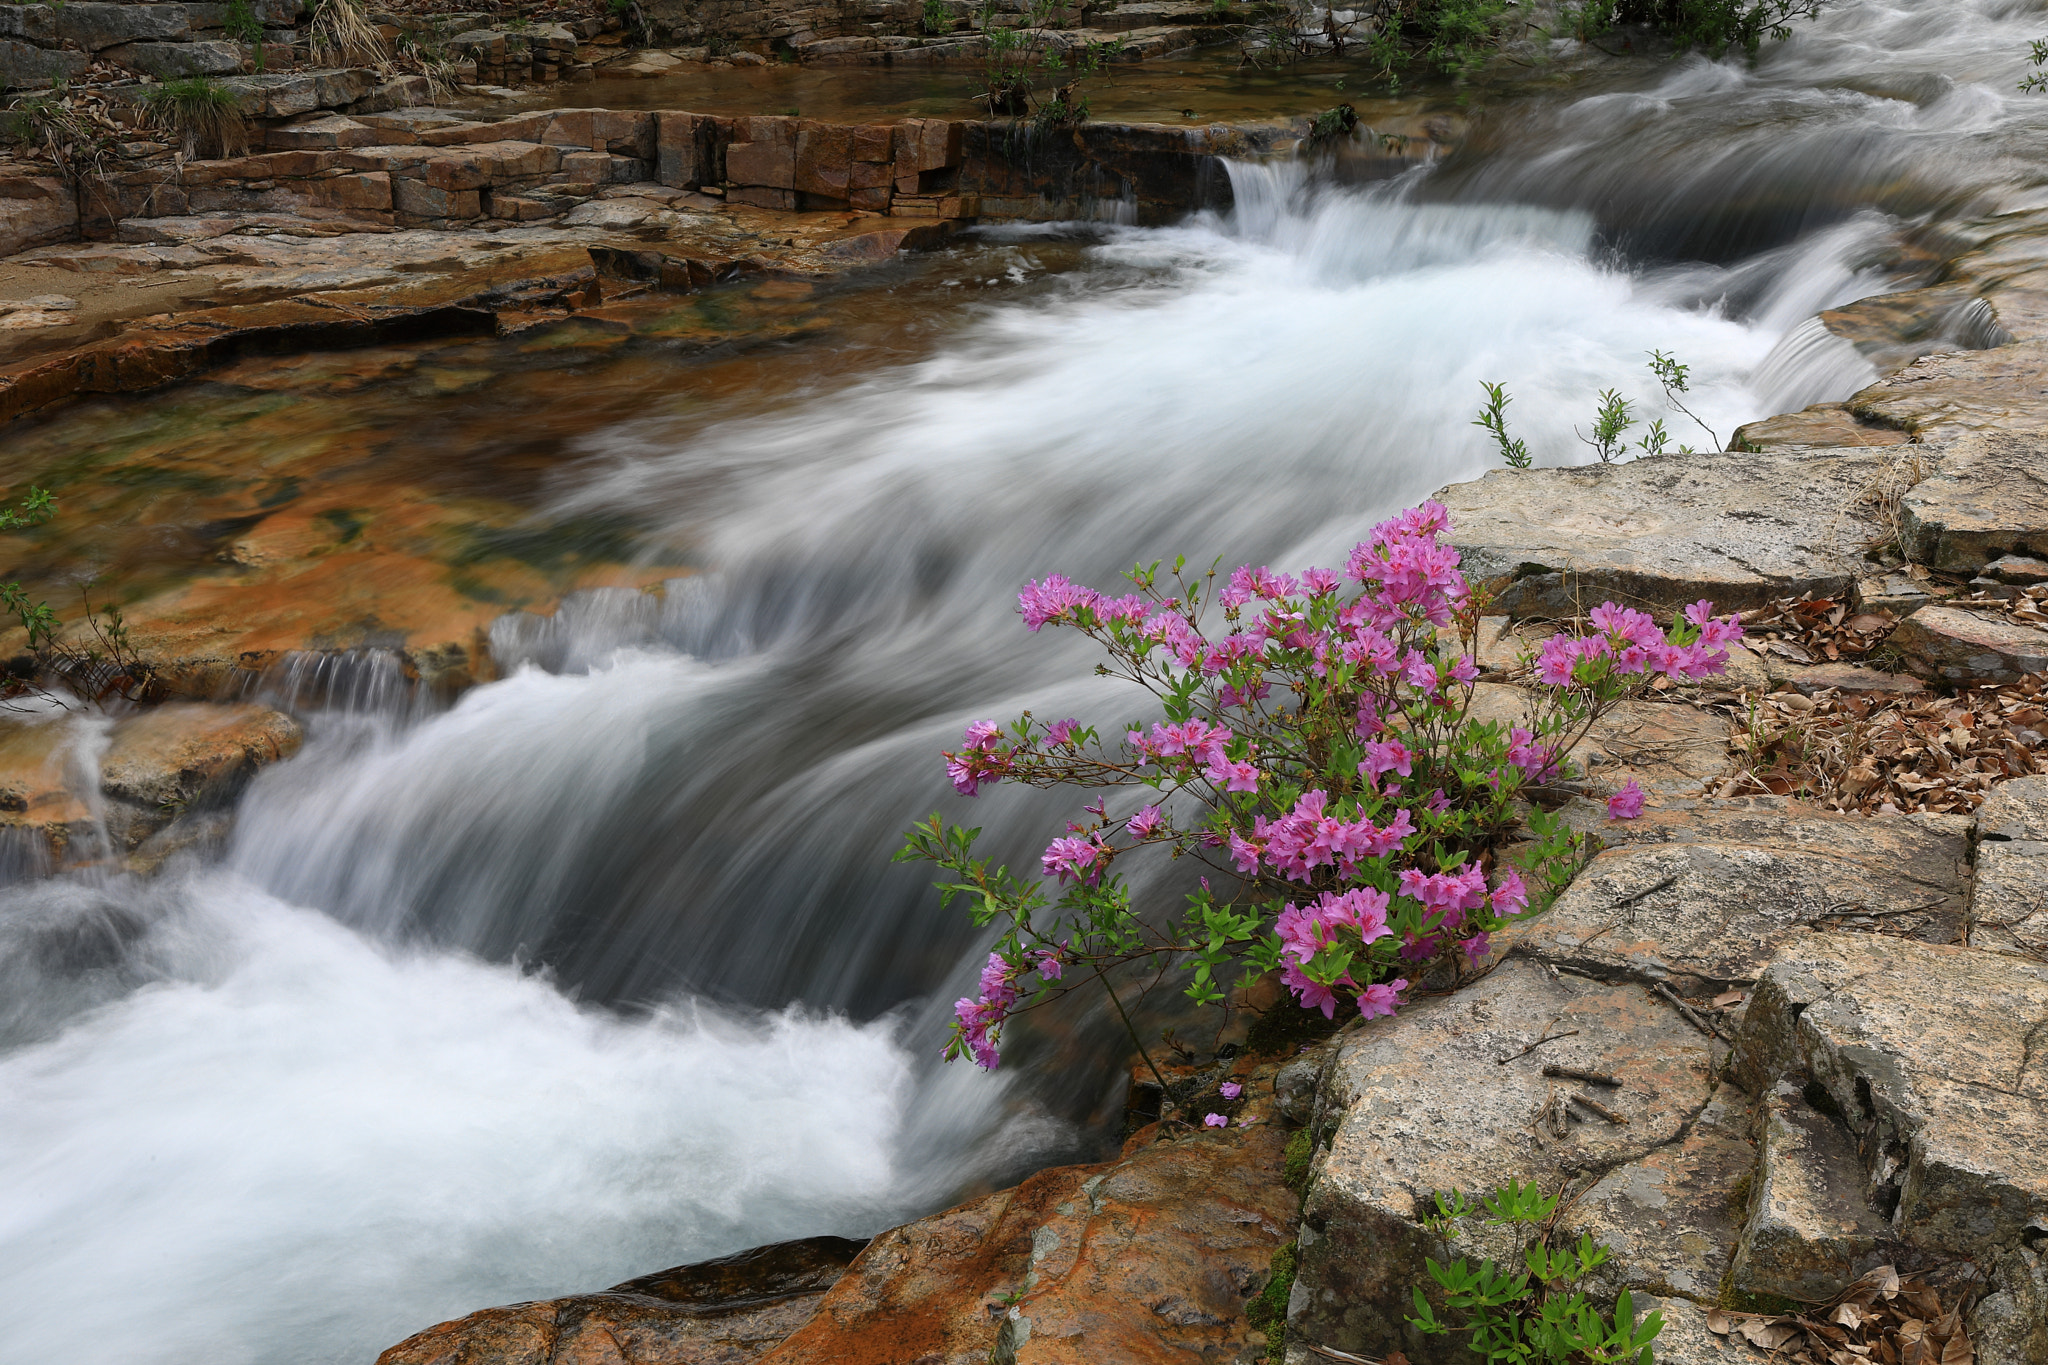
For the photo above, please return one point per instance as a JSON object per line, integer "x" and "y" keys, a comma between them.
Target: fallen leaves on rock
{"x": 1881, "y": 755}
{"x": 1881, "y": 1319}
{"x": 1812, "y": 630}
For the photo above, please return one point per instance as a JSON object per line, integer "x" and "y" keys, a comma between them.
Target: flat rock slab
{"x": 1987, "y": 499}
{"x": 1670, "y": 748}
{"x": 1823, "y": 424}
{"x": 1447, "y": 1095}
{"x": 1706, "y": 898}
{"x": 1967, "y": 648}
{"x": 1659, "y": 533}
{"x": 1937, "y": 1059}
{"x": 1954, "y": 393}
{"x": 729, "y": 1311}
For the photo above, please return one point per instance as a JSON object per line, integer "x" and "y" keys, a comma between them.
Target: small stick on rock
{"x": 1588, "y": 1102}
{"x": 1691, "y": 1016}
{"x": 1560, "y": 1117}
{"x": 1572, "y": 1073}
{"x": 1547, "y": 1038}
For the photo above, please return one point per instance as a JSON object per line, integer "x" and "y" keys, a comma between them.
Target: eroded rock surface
{"x": 1987, "y": 499}
{"x": 1738, "y": 529}
{"x": 1967, "y": 648}
{"x": 728, "y": 1311}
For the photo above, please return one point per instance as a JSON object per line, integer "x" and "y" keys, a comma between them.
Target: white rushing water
{"x": 605, "y": 969}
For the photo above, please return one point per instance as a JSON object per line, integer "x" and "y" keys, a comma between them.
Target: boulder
{"x": 170, "y": 61}
{"x": 762, "y": 153}
{"x": 1823, "y": 424}
{"x": 1706, "y": 897}
{"x": 182, "y": 753}
{"x": 1966, "y": 648}
{"x": 1987, "y": 499}
{"x": 1811, "y": 1228}
{"x": 1450, "y": 1094}
{"x": 1955, "y": 393}
{"x": 1932, "y": 1055}
{"x": 1737, "y": 529}
{"x": 723, "y": 1312}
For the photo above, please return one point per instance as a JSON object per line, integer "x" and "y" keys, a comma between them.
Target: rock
{"x": 762, "y": 153}
{"x": 1823, "y": 424}
{"x": 1446, "y": 1095}
{"x": 1954, "y": 393}
{"x": 1932, "y": 1055}
{"x": 1670, "y": 748}
{"x": 24, "y": 64}
{"x": 2009, "y": 1326}
{"x": 1711, "y": 895}
{"x": 1148, "y": 1259}
{"x": 284, "y": 94}
{"x": 322, "y": 133}
{"x": 1988, "y": 499}
{"x": 1965, "y": 649}
{"x": 35, "y": 210}
{"x": 1667, "y": 1217}
{"x": 1811, "y": 1229}
{"x": 2018, "y": 569}
{"x": 723, "y": 1312}
{"x": 168, "y": 61}
{"x": 1809, "y": 679}
{"x": 183, "y": 753}
{"x": 2009, "y": 894}
{"x": 97, "y": 26}
{"x": 1663, "y": 532}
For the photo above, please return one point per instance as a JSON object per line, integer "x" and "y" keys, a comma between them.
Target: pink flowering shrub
{"x": 1317, "y": 757}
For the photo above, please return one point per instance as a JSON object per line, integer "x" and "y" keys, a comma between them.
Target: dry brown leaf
{"x": 1768, "y": 1334}
{"x": 1727, "y": 998}
{"x": 1959, "y": 1351}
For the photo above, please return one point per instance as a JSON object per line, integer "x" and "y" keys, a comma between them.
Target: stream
{"x": 604, "y": 968}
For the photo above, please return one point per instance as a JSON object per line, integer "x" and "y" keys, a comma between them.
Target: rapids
{"x": 605, "y": 968}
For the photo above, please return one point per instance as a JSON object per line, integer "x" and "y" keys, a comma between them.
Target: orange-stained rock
{"x": 1148, "y": 1259}
{"x": 185, "y": 751}
{"x": 722, "y": 1312}
{"x": 824, "y": 157}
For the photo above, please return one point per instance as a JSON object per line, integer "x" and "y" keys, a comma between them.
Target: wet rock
{"x": 1987, "y": 499}
{"x": 2009, "y": 1326}
{"x": 1965, "y": 649}
{"x": 1823, "y": 424}
{"x": 1448, "y": 1094}
{"x": 180, "y": 753}
{"x": 1811, "y": 1229}
{"x": 723, "y": 1312}
{"x": 1955, "y": 393}
{"x": 1933, "y": 1057}
{"x": 1148, "y": 1259}
{"x": 1737, "y": 529}
{"x": 1712, "y": 895}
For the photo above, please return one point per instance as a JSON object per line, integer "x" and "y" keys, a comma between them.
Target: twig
{"x": 1332, "y": 1353}
{"x": 1691, "y": 1016}
{"x": 1560, "y": 1117}
{"x": 1546, "y": 1038}
{"x": 1574, "y": 1074}
{"x": 1586, "y": 1101}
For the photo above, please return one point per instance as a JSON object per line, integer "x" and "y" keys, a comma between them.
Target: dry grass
{"x": 340, "y": 35}
{"x": 203, "y": 114}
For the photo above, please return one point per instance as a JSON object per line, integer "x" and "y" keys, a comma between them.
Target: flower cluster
{"x": 1317, "y": 757}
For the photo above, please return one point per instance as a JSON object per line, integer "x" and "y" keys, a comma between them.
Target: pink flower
{"x": 1510, "y": 896}
{"x": 1390, "y": 756}
{"x": 1475, "y": 948}
{"x": 1380, "y": 998}
{"x": 1313, "y": 995}
{"x": 1554, "y": 662}
{"x": 1062, "y": 731}
{"x": 1053, "y": 599}
{"x": 1465, "y": 670}
{"x": 1049, "y": 963}
{"x": 1246, "y": 852}
{"x": 1215, "y": 1121}
{"x": 1627, "y": 803}
{"x": 983, "y": 735}
{"x": 1141, "y": 825}
{"x": 1230, "y": 1090}
{"x": 1077, "y": 859}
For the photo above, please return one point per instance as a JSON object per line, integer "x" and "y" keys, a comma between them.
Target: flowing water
{"x": 605, "y": 968}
